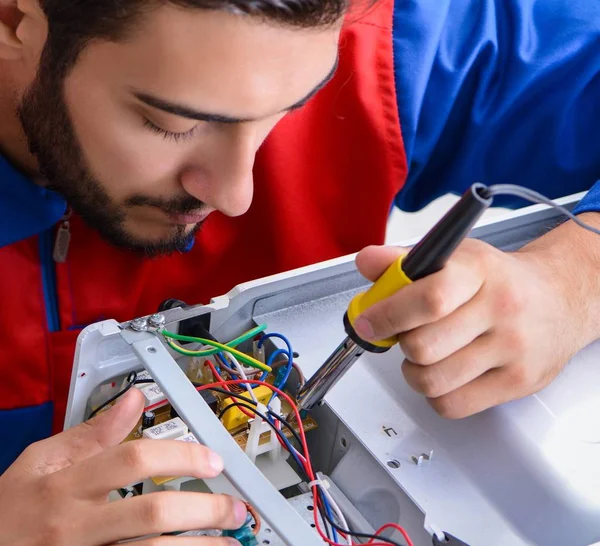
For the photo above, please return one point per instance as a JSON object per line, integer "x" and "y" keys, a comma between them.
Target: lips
{"x": 189, "y": 218}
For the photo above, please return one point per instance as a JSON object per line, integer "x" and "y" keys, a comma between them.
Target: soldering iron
{"x": 427, "y": 257}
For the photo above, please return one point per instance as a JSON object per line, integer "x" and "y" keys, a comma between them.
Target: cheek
{"x": 123, "y": 155}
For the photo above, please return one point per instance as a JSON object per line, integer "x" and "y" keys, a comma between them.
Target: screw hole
{"x": 267, "y": 530}
{"x": 313, "y": 525}
{"x": 393, "y": 463}
{"x": 310, "y": 507}
{"x": 151, "y": 349}
{"x": 82, "y": 374}
{"x": 266, "y": 542}
{"x": 295, "y": 354}
{"x": 344, "y": 442}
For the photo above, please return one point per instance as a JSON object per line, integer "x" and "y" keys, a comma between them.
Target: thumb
{"x": 372, "y": 261}
{"x": 107, "y": 429}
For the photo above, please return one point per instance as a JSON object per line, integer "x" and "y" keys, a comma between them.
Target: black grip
{"x": 431, "y": 253}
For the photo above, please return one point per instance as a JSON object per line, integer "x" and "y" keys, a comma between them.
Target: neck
{"x": 13, "y": 144}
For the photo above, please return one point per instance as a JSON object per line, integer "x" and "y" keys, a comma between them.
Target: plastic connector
{"x": 234, "y": 418}
{"x": 243, "y": 535}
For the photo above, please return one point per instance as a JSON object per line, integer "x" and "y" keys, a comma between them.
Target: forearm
{"x": 570, "y": 256}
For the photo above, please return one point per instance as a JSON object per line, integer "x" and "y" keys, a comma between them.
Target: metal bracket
{"x": 239, "y": 470}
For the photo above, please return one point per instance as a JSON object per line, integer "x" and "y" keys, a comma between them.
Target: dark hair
{"x": 73, "y": 23}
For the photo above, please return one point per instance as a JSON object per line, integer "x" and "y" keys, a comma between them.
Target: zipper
{"x": 46, "y": 244}
{"x": 62, "y": 240}
{"x": 53, "y": 249}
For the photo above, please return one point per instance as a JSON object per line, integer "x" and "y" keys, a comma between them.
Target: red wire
{"x": 398, "y": 528}
{"x": 218, "y": 377}
{"x": 307, "y": 463}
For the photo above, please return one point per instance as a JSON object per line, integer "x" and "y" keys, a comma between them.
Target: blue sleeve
{"x": 591, "y": 202}
{"x": 498, "y": 91}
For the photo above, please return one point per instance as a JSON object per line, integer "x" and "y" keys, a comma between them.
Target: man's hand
{"x": 55, "y": 494}
{"x": 491, "y": 326}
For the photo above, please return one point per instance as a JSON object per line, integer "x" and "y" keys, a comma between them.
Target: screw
{"x": 139, "y": 324}
{"x": 157, "y": 320}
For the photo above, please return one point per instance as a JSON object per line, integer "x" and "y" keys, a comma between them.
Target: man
{"x": 144, "y": 117}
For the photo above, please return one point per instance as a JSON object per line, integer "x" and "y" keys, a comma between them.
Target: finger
{"x": 436, "y": 341}
{"x": 168, "y": 511}
{"x": 184, "y": 541}
{"x": 133, "y": 462}
{"x": 491, "y": 389}
{"x": 108, "y": 429}
{"x": 455, "y": 371}
{"x": 374, "y": 260}
{"x": 422, "y": 302}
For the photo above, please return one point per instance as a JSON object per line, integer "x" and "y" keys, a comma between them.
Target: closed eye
{"x": 169, "y": 135}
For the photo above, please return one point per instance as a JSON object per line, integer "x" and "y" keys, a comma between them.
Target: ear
{"x": 23, "y": 29}
{"x": 10, "y": 17}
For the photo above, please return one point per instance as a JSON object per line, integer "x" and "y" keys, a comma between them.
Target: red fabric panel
{"x": 23, "y": 340}
{"x": 324, "y": 184}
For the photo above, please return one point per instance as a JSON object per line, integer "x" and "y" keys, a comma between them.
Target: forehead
{"x": 220, "y": 61}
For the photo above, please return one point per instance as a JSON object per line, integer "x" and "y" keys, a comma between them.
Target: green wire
{"x": 219, "y": 347}
{"x": 208, "y": 352}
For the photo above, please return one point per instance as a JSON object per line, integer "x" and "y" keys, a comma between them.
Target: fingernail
{"x": 240, "y": 512}
{"x": 215, "y": 462}
{"x": 363, "y": 328}
{"x": 233, "y": 542}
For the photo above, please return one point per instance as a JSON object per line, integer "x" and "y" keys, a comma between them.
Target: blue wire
{"x": 289, "y": 353}
{"x": 330, "y": 515}
{"x": 291, "y": 451}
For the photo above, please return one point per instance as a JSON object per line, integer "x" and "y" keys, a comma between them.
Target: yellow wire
{"x": 242, "y": 356}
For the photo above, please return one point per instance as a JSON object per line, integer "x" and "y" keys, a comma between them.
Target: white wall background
{"x": 404, "y": 226}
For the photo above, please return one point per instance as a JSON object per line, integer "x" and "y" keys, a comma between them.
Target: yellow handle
{"x": 388, "y": 284}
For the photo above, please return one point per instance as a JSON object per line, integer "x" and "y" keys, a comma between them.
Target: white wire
{"x": 338, "y": 513}
{"x": 243, "y": 375}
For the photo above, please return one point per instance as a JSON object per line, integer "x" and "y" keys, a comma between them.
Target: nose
{"x": 221, "y": 173}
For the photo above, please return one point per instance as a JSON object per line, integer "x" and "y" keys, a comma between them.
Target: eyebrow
{"x": 184, "y": 111}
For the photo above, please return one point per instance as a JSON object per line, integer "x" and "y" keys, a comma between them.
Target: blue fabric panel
{"x": 591, "y": 202}
{"x": 497, "y": 91}
{"x": 22, "y": 427}
{"x": 26, "y": 209}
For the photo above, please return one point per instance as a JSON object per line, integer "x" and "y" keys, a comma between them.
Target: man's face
{"x": 146, "y": 137}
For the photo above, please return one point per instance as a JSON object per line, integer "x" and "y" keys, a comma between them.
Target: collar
{"x": 26, "y": 209}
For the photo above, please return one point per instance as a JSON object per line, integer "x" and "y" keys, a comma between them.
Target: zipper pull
{"x": 62, "y": 240}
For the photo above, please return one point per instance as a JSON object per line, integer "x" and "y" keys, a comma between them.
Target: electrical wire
{"x": 310, "y": 473}
{"x": 327, "y": 497}
{"x": 226, "y": 390}
{"x": 284, "y": 441}
{"x": 170, "y": 336}
{"x": 289, "y": 353}
{"x": 398, "y": 528}
{"x": 233, "y": 343}
{"x": 243, "y": 375}
{"x": 131, "y": 378}
{"x": 255, "y": 516}
{"x": 534, "y": 197}
{"x": 305, "y": 464}
{"x": 225, "y": 365}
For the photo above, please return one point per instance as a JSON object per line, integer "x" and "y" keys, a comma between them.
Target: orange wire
{"x": 255, "y": 516}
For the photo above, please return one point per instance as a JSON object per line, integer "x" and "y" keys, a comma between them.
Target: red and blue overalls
{"x": 430, "y": 96}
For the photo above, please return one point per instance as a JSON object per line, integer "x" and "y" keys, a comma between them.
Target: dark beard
{"x": 51, "y": 137}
